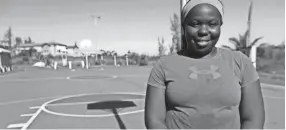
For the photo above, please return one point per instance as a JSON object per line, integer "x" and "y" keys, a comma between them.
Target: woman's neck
{"x": 198, "y": 56}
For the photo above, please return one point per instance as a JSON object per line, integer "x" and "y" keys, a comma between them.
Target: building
{"x": 54, "y": 49}
{"x": 21, "y": 47}
{"x": 51, "y": 48}
{"x": 73, "y": 51}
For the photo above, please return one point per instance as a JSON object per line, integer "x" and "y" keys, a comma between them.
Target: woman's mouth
{"x": 203, "y": 43}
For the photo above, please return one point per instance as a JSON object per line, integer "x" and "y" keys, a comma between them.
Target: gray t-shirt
{"x": 203, "y": 93}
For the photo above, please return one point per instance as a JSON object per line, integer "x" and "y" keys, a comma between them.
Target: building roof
{"x": 30, "y": 45}
{"x": 72, "y": 47}
{"x": 54, "y": 43}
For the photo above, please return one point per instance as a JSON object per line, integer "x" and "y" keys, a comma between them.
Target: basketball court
{"x": 98, "y": 98}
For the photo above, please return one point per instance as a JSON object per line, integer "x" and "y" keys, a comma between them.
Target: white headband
{"x": 192, "y": 3}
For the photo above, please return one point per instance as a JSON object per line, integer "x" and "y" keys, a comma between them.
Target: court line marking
{"x": 29, "y": 100}
{"x": 24, "y": 126}
{"x": 80, "y": 103}
{"x": 34, "y": 107}
{"x": 15, "y": 125}
{"x": 29, "y": 122}
{"x": 133, "y": 76}
{"x": 94, "y": 116}
{"x": 106, "y": 115}
{"x": 85, "y": 94}
{"x": 74, "y": 79}
{"x": 25, "y": 115}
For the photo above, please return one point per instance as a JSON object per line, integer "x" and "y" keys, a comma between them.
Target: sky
{"x": 133, "y": 25}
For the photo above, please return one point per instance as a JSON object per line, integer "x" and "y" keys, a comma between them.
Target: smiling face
{"x": 202, "y": 29}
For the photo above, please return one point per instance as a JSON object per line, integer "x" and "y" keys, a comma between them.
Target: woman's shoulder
{"x": 167, "y": 59}
{"x": 237, "y": 57}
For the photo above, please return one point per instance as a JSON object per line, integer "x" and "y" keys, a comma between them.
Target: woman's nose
{"x": 203, "y": 31}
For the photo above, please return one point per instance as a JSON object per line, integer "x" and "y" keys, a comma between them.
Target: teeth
{"x": 203, "y": 43}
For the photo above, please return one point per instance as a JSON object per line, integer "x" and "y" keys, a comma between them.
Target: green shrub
{"x": 143, "y": 61}
{"x": 108, "y": 62}
{"x": 17, "y": 61}
{"x": 97, "y": 62}
{"x": 25, "y": 59}
{"x": 132, "y": 62}
{"x": 120, "y": 62}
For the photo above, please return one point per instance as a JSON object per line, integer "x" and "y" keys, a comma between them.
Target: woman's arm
{"x": 252, "y": 113}
{"x": 155, "y": 109}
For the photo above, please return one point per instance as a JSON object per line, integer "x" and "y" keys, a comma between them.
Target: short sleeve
{"x": 248, "y": 71}
{"x": 157, "y": 76}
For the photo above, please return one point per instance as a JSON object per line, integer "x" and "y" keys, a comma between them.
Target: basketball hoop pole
{"x": 85, "y": 45}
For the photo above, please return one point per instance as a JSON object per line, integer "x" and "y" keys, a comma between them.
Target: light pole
{"x": 253, "y": 47}
{"x": 183, "y": 3}
{"x": 95, "y": 22}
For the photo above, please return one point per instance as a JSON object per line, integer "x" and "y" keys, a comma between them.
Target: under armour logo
{"x": 213, "y": 71}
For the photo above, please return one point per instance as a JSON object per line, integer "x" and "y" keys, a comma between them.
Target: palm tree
{"x": 241, "y": 43}
{"x": 113, "y": 53}
{"x": 104, "y": 53}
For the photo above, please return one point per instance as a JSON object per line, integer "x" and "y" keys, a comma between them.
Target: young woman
{"x": 204, "y": 87}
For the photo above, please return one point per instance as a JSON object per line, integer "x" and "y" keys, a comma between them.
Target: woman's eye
{"x": 194, "y": 24}
{"x": 213, "y": 24}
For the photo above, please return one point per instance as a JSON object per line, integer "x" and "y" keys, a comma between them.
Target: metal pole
{"x": 95, "y": 21}
{"x": 254, "y": 47}
{"x": 114, "y": 60}
{"x": 127, "y": 64}
{"x": 70, "y": 65}
{"x": 86, "y": 58}
{"x": 183, "y": 2}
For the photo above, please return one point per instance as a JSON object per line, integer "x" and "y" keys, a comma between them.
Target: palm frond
{"x": 243, "y": 39}
{"x": 255, "y": 41}
{"x": 235, "y": 41}
{"x": 246, "y": 33}
{"x": 227, "y": 47}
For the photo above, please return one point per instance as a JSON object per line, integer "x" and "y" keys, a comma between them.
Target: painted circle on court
{"x": 96, "y": 105}
{"x": 91, "y": 77}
